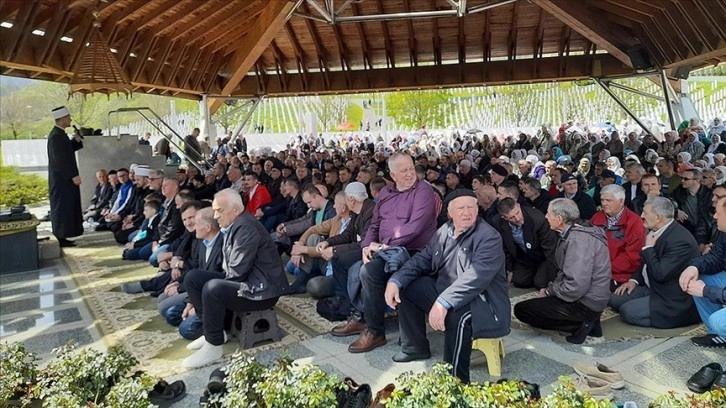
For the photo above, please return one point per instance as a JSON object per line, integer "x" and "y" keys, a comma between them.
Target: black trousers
{"x": 341, "y": 262}
{"x": 416, "y": 301}
{"x": 212, "y": 296}
{"x": 553, "y": 313}
{"x": 156, "y": 283}
{"x": 527, "y": 275}
{"x": 374, "y": 278}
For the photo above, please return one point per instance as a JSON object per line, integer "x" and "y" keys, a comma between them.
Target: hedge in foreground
{"x": 17, "y": 188}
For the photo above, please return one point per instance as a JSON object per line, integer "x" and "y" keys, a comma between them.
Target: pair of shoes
{"x": 709, "y": 377}
{"x": 65, "y": 243}
{"x": 132, "y": 288}
{"x": 601, "y": 372}
{"x": 199, "y": 342}
{"x": 366, "y": 342}
{"x": 597, "y": 388}
{"x": 710, "y": 341}
{"x": 164, "y": 394}
{"x": 208, "y": 353}
{"x": 351, "y": 327}
{"x": 588, "y": 328}
{"x": 402, "y": 357}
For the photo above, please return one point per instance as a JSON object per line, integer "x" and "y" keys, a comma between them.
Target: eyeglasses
{"x": 687, "y": 179}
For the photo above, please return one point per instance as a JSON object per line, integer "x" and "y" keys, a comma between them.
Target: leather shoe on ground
{"x": 64, "y": 243}
{"x": 704, "y": 378}
{"x": 351, "y": 327}
{"x": 405, "y": 358}
{"x": 366, "y": 342}
{"x": 709, "y": 341}
{"x": 720, "y": 382}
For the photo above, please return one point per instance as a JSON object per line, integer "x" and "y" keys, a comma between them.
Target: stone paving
{"x": 44, "y": 310}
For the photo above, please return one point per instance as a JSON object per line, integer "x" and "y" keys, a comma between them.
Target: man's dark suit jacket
{"x": 669, "y": 305}
{"x": 638, "y": 193}
{"x": 539, "y": 240}
{"x": 251, "y": 258}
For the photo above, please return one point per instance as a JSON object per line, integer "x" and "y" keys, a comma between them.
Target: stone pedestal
{"x": 18, "y": 246}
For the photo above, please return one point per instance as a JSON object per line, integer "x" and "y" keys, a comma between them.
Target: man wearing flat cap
{"x": 459, "y": 280}
{"x": 64, "y": 182}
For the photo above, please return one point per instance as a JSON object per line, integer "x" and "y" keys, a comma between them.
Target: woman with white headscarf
{"x": 720, "y": 173}
{"x": 717, "y": 145}
{"x": 684, "y": 162}
{"x": 613, "y": 164}
{"x": 708, "y": 158}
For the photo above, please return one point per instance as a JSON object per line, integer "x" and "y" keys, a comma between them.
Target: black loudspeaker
{"x": 681, "y": 72}
{"x": 639, "y": 58}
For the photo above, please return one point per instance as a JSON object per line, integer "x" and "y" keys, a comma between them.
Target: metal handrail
{"x": 140, "y": 110}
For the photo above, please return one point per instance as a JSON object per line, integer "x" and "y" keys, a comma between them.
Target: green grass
{"x": 354, "y": 113}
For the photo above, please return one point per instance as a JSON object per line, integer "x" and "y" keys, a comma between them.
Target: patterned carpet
{"x": 133, "y": 320}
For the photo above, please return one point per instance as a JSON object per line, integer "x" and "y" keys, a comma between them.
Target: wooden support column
{"x": 269, "y": 23}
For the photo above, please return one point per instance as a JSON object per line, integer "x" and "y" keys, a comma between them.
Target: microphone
{"x": 78, "y": 132}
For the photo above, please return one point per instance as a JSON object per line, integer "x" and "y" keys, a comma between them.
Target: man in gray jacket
{"x": 574, "y": 301}
{"x": 254, "y": 279}
{"x": 458, "y": 279}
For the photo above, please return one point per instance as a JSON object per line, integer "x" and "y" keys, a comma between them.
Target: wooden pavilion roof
{"x": 278, "y": 47}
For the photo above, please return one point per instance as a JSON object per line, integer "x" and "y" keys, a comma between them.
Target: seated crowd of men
{"x": 439, "y": 236}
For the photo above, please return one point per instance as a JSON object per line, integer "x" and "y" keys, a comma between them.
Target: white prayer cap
{"x": 142, "y": 170}
{"x": 60, "y": 112}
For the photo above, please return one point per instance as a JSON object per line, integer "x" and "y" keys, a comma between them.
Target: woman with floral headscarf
{"x": 684, "y": 162}
{"x": 613, "y": 164}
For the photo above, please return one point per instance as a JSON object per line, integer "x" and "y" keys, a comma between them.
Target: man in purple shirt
{"x": 404, "y": 216}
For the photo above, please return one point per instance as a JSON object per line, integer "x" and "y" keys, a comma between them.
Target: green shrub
{"x": 17, "y": 188}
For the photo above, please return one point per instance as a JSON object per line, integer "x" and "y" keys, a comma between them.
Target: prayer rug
{"x": 133, "y": 320}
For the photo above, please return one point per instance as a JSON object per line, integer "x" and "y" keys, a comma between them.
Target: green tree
{"x": 11, "y": 112}
{"x": 330, "y": 110}
{"x": 414, "y": 109}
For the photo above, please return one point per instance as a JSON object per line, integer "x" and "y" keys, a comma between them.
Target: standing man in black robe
{"x": 66, "y": 214}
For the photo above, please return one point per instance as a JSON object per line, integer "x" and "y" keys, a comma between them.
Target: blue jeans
{"x": 173, "y": 315}
{"x": 712, "y": 314}
{"x": 154, "y": 258}
{"x": 191, "y": 328}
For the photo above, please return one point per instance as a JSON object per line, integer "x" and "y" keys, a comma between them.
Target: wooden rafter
{"x": 412, "y": 49}
{"x": 512, "y": 41}
{"x": 130, "y": 10}
{"x": 710, "y": 20}
{"x": 673, "y": 51}
{"x": 299, "y": 53}
{"x": 189, "y": 67}
{"x": 461, "y": 41}
{"x": 677, "y": 28}
{"x": 164, "y": 7}
{"x": 696, "y": 29}
{"x": 435, "y": 37}
{"x": 225, "y": 31}
{"x": 21, "y": 28}
{"x": 79, "y": 40}
{"x": 194, "y": 31}
{"x": 202, "y": 70}
{"x": 160, "y": 59}
{"x": 174, "y": 25}
{"x": 367, "y": 64}
{"x": 176, "y": 63}
{"x": 227, "y": 45}
{"x": 588, "y": 25}
{"x": 264, "y": 29}
{"x": 402, "y": 77}
{"x": 281, "y": 64}
{"x": 319, "y": 50}
{"x": 213, "y": 72}
{"x": 390, "y": 59}
{"x": 143, "y": 56}
{"x": 55, "y": 29}
{"x": 619, "y": 11}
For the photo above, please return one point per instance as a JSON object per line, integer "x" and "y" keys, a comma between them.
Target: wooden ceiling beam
{"x": 128, "y": 13}
{"x": 143, "y": 57}
{"x": 697, "y": 30}
{"x": 263, "y": 31}
{"x": 342, "y": 52}
{"x": 402, "y": 78}
{"x": 200, "y": 73}
{"x": 160, "y": 59}
{"x": 412, "y": 49}
{"x": 172, "y": 27}
{"x": 281, "y": 64}
{"x": 176, "y": 63}
{"x": 390, "y": 58}
{"x": 718, "y": 52}
{"x": 619, "y": 11}
{"x": 54, "y": 33}
{"x": 193, "y": 31}
{"x": 673, "y": 50}
{"x": 367, "y": 64}
{"x": 189, "y": 67}
{"x": 227, "y": 44}
{"x": 83, "y": 31}
{"x": 244, "y": 14}
{"x": 461, "y": 41}
{"x": 512, "y": 41}
{"x": 319, "y": 50}
{"x": 712, "y": 21}
{"x": 628, "y": 7}
{"x": 213, "y": 73}
{"x": 299, "y": 52}
{"x": 589, "y": 26}
{"x": 436, "y": 38}
{"x": 21, "y": 28}
{"x": 678, "y": 28}
{"x": 164, "y": 7}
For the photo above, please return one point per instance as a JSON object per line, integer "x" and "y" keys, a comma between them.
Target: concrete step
{"x": 48, "y": 249}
